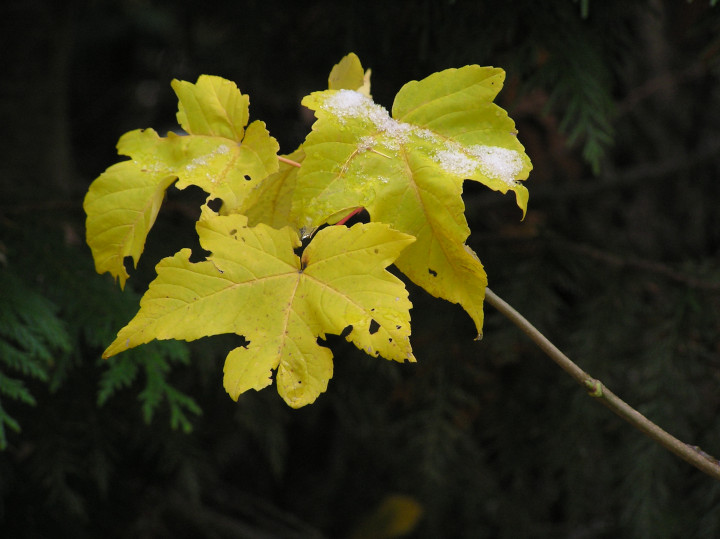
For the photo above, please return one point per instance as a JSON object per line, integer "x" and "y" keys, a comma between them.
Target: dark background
{"x": 618, "y": 262}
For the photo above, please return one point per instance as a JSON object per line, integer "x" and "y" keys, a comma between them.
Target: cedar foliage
{"x": 619, "y": 269}
{"x": 30, "y": 335}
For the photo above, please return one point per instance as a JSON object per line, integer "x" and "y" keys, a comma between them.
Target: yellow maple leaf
{"x": 253, "y": 284}
{"x": 218, "y": 154}
{"x": 271, "y": 199}
{"x": 407, "y": 170}
{"x": 348, "y": 74}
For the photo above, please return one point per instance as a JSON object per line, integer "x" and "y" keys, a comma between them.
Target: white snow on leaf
{"x": 202, "y": 161}
{"x": 366, "y": 143}
{"x": 491, "y": 161}
{"x": 351, "y": 104}
{"x": 498, "y": 162}
{"x": 455, "y": 161}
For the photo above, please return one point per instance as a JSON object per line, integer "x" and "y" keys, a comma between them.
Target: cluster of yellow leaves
{"x": 406, "y": 170}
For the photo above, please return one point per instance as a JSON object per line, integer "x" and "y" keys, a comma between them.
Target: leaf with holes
{"x": 253, "y": 284}
{"x": 270, "y": 200}
{"x": 407, "y": 170}
{"x": 218, "y": 154}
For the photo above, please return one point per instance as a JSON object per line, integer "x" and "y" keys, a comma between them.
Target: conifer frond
{"x": 577, "y": 73}
{"x": 48, "y": 331}
{"x": 31, "y": 336}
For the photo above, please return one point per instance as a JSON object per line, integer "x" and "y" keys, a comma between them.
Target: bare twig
{"x": 692, "y": 454}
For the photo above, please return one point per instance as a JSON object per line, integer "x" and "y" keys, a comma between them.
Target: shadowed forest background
{"x": 617, "y": 262}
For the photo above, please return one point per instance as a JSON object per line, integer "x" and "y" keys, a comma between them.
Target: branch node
{"x": 703, "y": 454}
{"x": 594, "y": 387}
{"x": 689, "y": 453}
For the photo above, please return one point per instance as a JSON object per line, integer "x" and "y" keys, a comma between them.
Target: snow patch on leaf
{"x": 498, "y": 162}
{"x": 492, "y": 161}
{"x": 456, "y": 162}
{"x": 349, "y": 104}
{"x": 203, "y": 160}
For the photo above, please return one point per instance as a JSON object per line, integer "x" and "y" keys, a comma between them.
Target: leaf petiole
{"x": 349, "y": 215}
{"x": 288, "y": 161}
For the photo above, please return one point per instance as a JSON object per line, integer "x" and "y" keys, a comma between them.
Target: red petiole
{"x": 349, "y": 215}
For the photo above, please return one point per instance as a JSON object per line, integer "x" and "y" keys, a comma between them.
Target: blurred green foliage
{"x": 618, "y": 262}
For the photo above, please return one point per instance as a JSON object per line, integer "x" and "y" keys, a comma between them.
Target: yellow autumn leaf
{"x": 218, "y": 154}
{"x": 270, "y": 201}
{"x": 348, "y": 74}
{"x": 253, "y": 284}
{"x": 407, "y": 169}
{"x": 395, "y": 516}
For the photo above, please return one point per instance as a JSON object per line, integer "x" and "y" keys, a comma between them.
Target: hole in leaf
{"x": 198, "y": 255}
{"x": 247, "y": 178}
{"x": 346, "y": 331}
{"x": 374, "y": 326}
{"x": 432, "y": 272}
{"x": 215, "y": 204}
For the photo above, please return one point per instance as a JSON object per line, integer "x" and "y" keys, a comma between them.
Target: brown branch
{"x": 691, "y": 454}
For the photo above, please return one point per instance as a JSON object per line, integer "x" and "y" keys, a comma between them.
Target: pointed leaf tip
{"x": 213, "y": 106}
{"x": 348, "y": 74}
